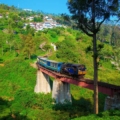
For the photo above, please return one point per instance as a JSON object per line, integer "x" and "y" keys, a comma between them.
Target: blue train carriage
{"x": 49, "y": 64}
{"x": 61, "y": 67}
{"x": 53, "y": 65}
{"x": 42, "y": 61}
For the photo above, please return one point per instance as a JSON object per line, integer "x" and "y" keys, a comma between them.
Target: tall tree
{"x": 28, "y": 45}
{"x": 89, "y": 16}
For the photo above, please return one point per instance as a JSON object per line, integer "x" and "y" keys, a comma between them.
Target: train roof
{"x": 46, "y": 59}
{"x": 74, "y": 64}
{"x": 53, "y": 61}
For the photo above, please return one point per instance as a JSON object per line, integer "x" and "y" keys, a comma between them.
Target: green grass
{"x": 18, "y": 79}
{"x": 18, "y": 98}
{"x": 107, "y": 115}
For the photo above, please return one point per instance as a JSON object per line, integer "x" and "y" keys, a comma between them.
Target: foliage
{"x": 114, "y": 115}
{"x": 89, "y": 15}
{"x": 17, "y": 77}
{"x": 65, "y": 51}
{"x": 38, "y": 19}
{"x": 28, "y": 46}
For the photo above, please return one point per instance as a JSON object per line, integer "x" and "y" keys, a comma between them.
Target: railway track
{"x": 78, "y": 80}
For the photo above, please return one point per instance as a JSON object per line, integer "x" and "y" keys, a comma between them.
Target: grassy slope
{"x": 18, "y": 76}
{"x": 107, "y": 73}
{"x": 17, "y": 82}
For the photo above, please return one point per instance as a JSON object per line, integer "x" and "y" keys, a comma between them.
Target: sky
{"x": 46, "y": 6}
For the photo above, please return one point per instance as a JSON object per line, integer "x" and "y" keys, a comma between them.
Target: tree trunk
{"x": 95, "y": 55}
{"x": 95, "y": 74}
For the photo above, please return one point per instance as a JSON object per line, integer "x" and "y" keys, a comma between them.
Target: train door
{"x": 48, "y": 63}
{"x": 75, "y": 70}
{"x": 59, "y": 67}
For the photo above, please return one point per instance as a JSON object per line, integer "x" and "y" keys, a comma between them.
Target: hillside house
{"x": 30, "y": 18}
{"x": 48, "y": 23}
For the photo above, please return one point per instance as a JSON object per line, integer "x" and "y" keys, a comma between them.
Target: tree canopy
{"x": 86, "y": 14}
{"x": 89, "y": 16}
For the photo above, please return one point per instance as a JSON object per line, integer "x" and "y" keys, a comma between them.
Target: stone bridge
{"x": 61, "y": 87}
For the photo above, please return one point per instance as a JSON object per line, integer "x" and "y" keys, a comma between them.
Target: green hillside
{"x": 19, "y": 49}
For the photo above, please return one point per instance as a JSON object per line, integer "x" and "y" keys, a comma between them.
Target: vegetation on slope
{"x": 20, "y": 47}
{"x": 17, "y": 97}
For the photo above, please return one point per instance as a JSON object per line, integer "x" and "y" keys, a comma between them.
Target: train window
{"x": 42, "y": 61}
{"x": 48, "y": 63}
{"x": 75, "y": 68}
{"x": 53, "y": 64}
{"x": 82, "y": 67}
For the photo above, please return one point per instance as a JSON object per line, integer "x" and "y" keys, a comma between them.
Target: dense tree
{"x": 115, "y": 36}
{"x": 65, "y": 18}
{"x": 30, "y": 30}
{"x": 65, "y": 51}
{"x": 14, "y": 16}
{"x": 28, "y": 45}
{"x": 89, "y": 16}
{"x": 104, "y": 35}
{"x": 3, "y": 6}
{"x": 38, "y": 19}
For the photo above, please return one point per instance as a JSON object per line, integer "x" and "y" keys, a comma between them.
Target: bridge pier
{"x": 61, "y": 92}
{"x": 42, "y": 83}
{"x": 112, "y": 102}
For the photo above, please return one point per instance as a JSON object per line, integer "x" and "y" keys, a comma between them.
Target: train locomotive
{"x": 61, "y": 67}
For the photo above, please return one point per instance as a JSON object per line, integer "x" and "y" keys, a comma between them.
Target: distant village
{"x": 38, "y": 26}
{"x": 48, "y": 23}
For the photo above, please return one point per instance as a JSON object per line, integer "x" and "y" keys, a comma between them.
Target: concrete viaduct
{"x": 61, "y": 87}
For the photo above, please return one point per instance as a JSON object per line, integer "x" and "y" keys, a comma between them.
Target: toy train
{"x": 61, "y": 67}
